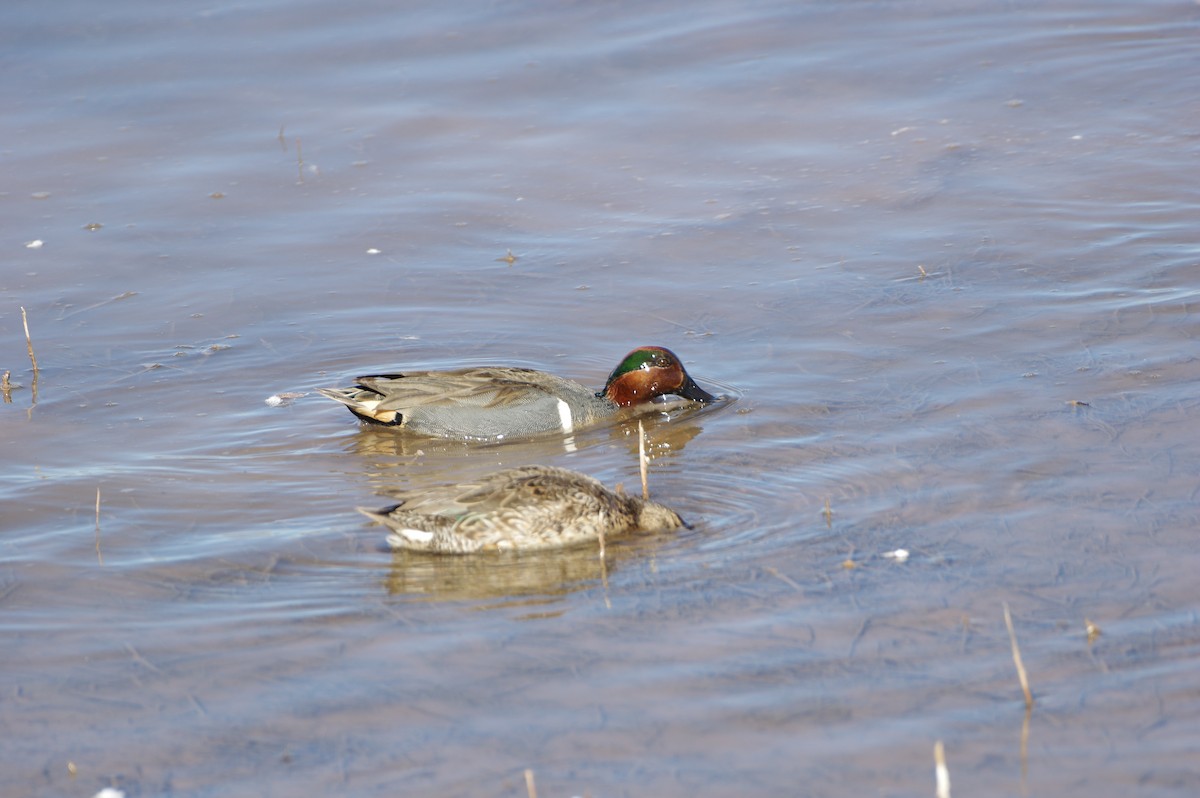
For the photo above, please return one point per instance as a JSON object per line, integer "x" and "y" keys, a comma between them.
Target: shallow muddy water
{"x": 941, "y": 257}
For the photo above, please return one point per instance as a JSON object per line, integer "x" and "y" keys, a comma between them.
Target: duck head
{"x": 651, "y": 371}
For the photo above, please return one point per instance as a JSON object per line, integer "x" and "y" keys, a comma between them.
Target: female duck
{"x": 534, "y": 507}
{"x": 496, "y": 402}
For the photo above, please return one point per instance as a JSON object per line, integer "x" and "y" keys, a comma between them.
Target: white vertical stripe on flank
{"x": 564, "y": 416}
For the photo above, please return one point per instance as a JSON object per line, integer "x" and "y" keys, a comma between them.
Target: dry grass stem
{"x": 6, "y": 387}
{"x": 787, "y": 580}
{"x": 530, "y": 786}
{"x": 138, "y": 658}
{"x": 828, "y": 514}
{"x": 940, "y": 771}
{"x": 1012, "y": 635}
{"x": 99, "y": 556}
{"x": 29, "y": 341}
{"x": 643, "y": 462}
{"x": 849, "y": 564}
{"x": 1025, "y": 752}
{"x": 33, "y": 359}
{"x": 604, "y": 581}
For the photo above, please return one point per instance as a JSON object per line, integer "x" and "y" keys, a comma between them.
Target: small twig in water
{"x": 530, "y": 787}
{"x": 940, "y": 771}
{"x": 787, "y": 580}
{"x": 32, "y": 359}
{"x": 29, "y": 341}
{"x": 828, "y": 514}
{"x": 138, "y": 658}
{"x": 1025, "y": 752}
{"x": 604, "y": 574}
{"x": 99, "y": 556}
{"x": 642, "y": 461}
{"x": 6, "y": 387}
{"x": 1012, "y": 635}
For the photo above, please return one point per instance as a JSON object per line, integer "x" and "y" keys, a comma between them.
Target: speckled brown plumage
{"x": 533, "y": 507}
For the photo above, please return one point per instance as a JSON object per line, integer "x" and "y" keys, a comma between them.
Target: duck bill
{"x": 690, "y": 390}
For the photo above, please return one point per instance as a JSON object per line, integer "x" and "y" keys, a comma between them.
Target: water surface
{"x": 943, "y": 256}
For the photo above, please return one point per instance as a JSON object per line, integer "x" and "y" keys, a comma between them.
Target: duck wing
{"x": 509, "y": 490}
{"x": 483, "y": 403}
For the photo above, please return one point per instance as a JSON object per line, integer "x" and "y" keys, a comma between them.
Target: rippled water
{"x": 942, "y": 257}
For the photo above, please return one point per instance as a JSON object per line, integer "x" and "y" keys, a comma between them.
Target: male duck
{"x": 533, "y": 507}
{"x": 496, "y": 402}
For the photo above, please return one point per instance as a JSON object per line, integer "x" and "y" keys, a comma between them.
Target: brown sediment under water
{"x": 941, "y": 259}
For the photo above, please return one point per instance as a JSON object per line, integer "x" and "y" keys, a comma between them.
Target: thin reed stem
{"x": 29, "y": 341}
{"x": 940, "y": 771}
{"x": 643, "y": 463}
{"x": 1016, "y": 651}
{"x": 99, "y": 556}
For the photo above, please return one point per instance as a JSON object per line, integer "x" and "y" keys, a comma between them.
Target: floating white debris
{"x": 109, "y": 792}
{"x": 282, "y": 399}
{"x": 373, "y": 251}
{"x": 36, "y": 243}
{"x": 899, "y": 555}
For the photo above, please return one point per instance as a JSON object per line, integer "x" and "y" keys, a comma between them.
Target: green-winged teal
{"x": 495, "y": 402}
{"x": 533, "y": 507}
